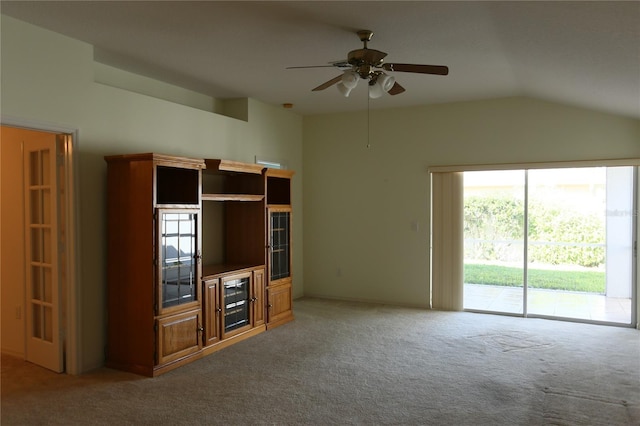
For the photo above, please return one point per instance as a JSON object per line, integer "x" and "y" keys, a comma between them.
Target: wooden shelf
{"x": 211, "y": 271}
{"x": 214, "y": 165}
{"x": 279, "y": 173}
{"x": 161, "y": 159}
{"x": 232, "y": 197}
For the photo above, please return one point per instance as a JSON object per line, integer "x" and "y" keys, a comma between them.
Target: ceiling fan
{"x": 368, "y": 64}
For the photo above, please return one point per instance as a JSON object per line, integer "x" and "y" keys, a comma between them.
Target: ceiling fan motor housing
{"x": 364, "y": 60}
{"x": 372, "y": 57}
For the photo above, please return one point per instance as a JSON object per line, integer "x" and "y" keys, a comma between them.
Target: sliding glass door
{"x": 574, "y": 261}
{"x": 494, "y": 236}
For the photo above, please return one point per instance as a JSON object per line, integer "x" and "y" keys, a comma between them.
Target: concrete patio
{"x": 582, "y": 306}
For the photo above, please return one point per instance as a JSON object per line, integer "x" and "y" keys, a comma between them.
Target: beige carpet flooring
{"x": 344, "y": 363}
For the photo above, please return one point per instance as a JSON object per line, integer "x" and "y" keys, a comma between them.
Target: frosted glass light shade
{"x": 386, "y": 82}
{"x": 375, "y": 91}
{"x": 350, "y": 79}
{"x": 383, "y": 84}
{"x": 342, "y": 88}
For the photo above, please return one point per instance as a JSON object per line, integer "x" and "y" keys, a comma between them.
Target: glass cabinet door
{"x": 236, "y": 302}
{"x": 280, "y": 243}
{"x": 178, "y": 257}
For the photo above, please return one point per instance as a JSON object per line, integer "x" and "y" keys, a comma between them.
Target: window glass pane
{"x": 35, "y": 169}
{"x": 494, "y": 241}
{"x": 36, "y": 206}
{"x": 47, "y": 323}
{"x": 37, "y": 320}
{"x": 36, "y": 282}
{"x": 580, "y": 243}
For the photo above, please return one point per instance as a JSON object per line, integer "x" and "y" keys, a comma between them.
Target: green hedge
{"x": 501, "y": 218}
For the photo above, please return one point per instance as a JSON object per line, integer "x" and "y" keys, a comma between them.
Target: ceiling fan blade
{"x": 311, "y": 66}
{"x": 335, "y": 64}
{"x": 341, "y": 64}
{"x": 396, "y": 89}
{"x": 328, "y": 83}
{"x": 423, "y": 69}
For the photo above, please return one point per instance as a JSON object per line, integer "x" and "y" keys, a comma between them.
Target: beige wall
{"x": 367, "y": 214}
{"x": 48, "y": 78}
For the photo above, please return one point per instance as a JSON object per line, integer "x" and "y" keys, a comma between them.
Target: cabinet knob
{"x": 200, "y": 329}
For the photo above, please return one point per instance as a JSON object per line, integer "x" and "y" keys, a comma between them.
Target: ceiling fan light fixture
{"x": 350, "y": 79}
{"x": 348, "y": 82}
{"x": 383, "y": 84}
{"x": 342, "y": 88}
{"x": 375, "y": 91}
{"x": 386, "y": 81}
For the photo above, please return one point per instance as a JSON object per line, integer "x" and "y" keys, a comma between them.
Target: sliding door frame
{"x": 630, "y": 162}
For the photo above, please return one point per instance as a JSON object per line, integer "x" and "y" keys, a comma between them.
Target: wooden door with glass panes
{"x": 43, "y": 345}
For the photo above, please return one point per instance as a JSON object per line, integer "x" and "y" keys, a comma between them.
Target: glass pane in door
{"x": 280, "y": 256}
{"x": 178, "y": 258}
{"x": 580, "y": 243}
{"x": 236, "y": 303}
{"x": 42, "y": 248}
{"x": 494, "y": 241}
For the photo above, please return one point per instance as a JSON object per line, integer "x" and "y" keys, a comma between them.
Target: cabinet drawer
{"x": 177, "y": 336}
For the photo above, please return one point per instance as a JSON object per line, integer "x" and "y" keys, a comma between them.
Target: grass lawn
{"x": 586, "y": 281}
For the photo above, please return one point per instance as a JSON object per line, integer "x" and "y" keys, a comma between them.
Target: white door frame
{"x": 72, "y": 296}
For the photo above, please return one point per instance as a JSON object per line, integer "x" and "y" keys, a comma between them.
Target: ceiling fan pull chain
{"x": 368, "y": 119}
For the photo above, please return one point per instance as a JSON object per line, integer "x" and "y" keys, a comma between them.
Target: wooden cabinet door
{"x": 258, "y": 295}
{"x": 212, "y": 311}
{"x": 178, "y": 336}
{"x": 279, "y": 304}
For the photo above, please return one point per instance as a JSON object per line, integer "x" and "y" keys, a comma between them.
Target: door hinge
{"x": 635, "y": 248}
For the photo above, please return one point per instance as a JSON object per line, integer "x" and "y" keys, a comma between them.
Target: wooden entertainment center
{"x": 199, "y": 257}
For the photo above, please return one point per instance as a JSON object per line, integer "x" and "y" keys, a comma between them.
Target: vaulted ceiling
{"x": 580, "y": 53}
